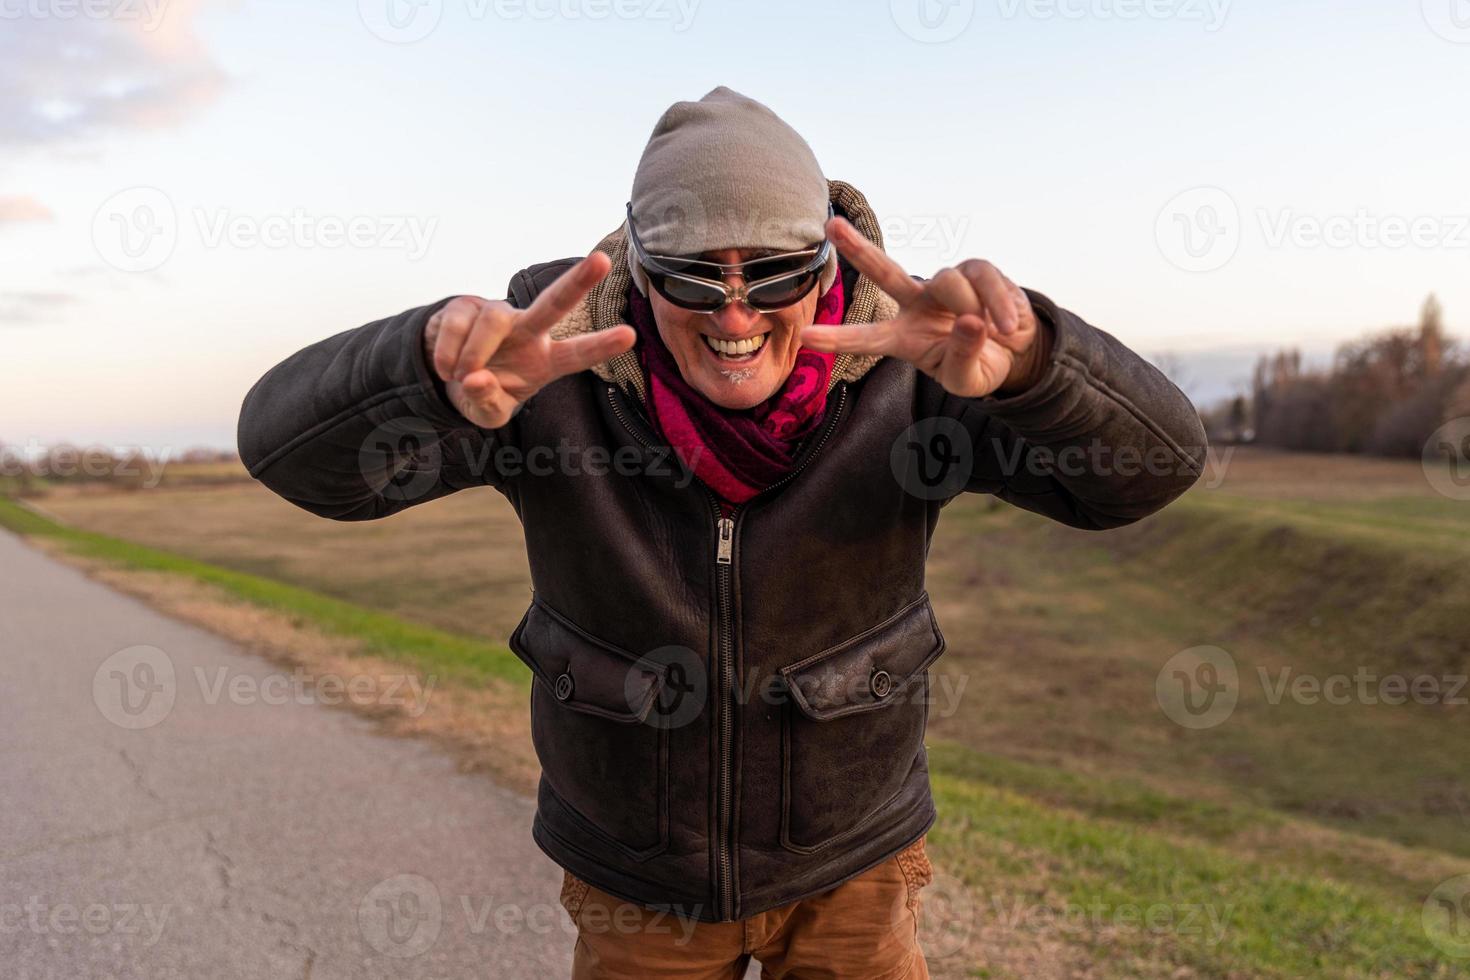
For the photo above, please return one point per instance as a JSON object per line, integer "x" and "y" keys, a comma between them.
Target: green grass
{"x": 445, "y": 655}
{"x": 1365, "y": 577}
{"x": 1124, "y": 874}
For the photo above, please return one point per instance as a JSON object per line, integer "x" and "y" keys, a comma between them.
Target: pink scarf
{"x": 737, "y": 453}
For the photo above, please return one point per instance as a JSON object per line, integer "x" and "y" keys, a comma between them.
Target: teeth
{"x": 735, "y": 348}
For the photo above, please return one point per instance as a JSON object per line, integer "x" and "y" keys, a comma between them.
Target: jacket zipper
{"x": 725, "y": 654}
{"x": 725, "y": 659}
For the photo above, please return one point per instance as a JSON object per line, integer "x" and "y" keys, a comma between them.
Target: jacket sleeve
{"x": 1103, "y": 439}
{"x": 357, "y": 426}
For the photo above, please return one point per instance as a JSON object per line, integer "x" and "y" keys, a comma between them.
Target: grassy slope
{"x": 1286, "y": 602}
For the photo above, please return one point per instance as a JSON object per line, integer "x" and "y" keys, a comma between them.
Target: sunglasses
{"x": 768, "y": 283}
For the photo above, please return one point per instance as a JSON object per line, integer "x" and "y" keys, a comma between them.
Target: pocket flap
{"x": 870, "y": 670}
{"x": 583, "y": 672}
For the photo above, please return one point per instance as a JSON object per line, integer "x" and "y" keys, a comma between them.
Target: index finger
{"x": 565, "y": 292}
{"x": 852, "y": 338}
{"x": 872, "y": 261}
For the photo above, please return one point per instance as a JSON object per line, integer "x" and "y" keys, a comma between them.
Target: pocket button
{"x": 563, "y": 687}
{"x": 880, "y": 683}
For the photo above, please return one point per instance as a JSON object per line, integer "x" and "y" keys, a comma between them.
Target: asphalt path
{"x": 172, "y": 807}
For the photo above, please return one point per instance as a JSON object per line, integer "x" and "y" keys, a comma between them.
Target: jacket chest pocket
{"x": 600, "y": 754}
{"x": 854, "y": 727}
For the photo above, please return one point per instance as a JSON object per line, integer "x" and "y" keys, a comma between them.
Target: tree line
{"x": 1382, "y": 395}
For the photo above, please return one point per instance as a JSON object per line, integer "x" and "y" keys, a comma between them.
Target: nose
{"x": 735, "y": 319}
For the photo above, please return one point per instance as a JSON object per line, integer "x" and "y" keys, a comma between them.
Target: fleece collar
{"x": 606, "y": 305}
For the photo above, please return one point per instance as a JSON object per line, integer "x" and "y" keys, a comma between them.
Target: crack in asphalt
{"x": 224, "y": 866}
{"x": 138, "y": 781}
{"x": 120, "y": 833}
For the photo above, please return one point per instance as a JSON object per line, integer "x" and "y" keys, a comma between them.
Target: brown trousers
{"x": 866, "y": 927}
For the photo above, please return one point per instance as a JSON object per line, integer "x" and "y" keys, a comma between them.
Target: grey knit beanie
{"x": 727, "y": 172}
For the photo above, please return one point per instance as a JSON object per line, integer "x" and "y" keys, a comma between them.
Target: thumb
{"x": 481, "y": 399}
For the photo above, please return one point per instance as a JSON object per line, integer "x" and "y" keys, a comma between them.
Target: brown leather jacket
{"x": 729, "y": 714}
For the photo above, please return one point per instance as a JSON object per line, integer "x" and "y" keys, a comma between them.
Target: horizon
{"x": 291, "y": 184}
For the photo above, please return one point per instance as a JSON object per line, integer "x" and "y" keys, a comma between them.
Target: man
{"x": 747, "y": 419}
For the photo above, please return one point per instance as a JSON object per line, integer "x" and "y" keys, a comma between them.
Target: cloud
{"x": 65, "y": 78}
{"x": 21, "y": 306}
{"x": 14, "y": 210}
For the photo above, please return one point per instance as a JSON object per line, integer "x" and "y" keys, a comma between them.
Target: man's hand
{"x": 493, "y": 357}
{"x": 969, "y": 328}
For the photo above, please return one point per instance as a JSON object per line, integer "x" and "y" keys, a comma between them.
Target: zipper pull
{"x": 727, "y": 540}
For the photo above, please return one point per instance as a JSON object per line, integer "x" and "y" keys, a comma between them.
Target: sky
{"x": 191, "y": 190}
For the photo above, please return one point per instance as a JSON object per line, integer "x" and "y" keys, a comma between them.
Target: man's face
{"x": 739, "y": 380}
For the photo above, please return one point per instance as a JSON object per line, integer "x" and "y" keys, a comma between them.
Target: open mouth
{"x": 736, "y": 350}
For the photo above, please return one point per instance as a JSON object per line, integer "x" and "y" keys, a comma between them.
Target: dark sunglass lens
{"x": 689, "y": 267}
{"x": 783, "y": 292}
{"x": 690, "y": 295}
{"x": 776, "y": 266}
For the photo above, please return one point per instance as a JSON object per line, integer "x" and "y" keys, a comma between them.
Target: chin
{"x": 738, "y": 382}
{"x": 736, "y": 392}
